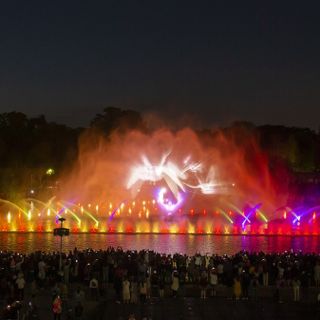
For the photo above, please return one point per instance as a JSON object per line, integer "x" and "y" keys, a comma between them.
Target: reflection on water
{"x": 165, "y": 243}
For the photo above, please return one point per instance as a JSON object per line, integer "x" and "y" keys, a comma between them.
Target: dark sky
{"x": 212, "y": 61}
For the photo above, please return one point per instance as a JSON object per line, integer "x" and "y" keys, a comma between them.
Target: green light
{"x": 50, "y": 172}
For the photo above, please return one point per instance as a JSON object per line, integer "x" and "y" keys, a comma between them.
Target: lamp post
{"x": 61, "y": 232}
{"x": 61, "y": 235}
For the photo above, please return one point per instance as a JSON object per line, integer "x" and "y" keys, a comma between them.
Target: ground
{"x": 190, "y": 307}
{"x": 215, "y": 308}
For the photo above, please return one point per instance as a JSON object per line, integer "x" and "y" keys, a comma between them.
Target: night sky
{"x": 210, "y": 61}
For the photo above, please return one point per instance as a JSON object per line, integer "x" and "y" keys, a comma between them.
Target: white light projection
{"x": 178, "y": 179}
{"x": 167, "y": 204}
{"x": 165, "y": 170}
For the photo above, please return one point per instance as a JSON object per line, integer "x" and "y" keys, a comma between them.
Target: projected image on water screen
{"x": 166, "y": 182}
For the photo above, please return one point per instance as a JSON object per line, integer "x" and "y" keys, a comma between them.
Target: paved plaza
{"x": 218, "y": 308}
{"x": 186, "y": 306}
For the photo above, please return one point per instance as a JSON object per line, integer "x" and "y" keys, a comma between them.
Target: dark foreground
{"x": 219, "y": 308}
{"x": 186, "y": 306}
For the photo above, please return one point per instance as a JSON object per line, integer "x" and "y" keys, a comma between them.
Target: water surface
{"x": 165, "y": 243}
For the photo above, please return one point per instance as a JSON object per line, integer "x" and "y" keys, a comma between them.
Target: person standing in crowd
{"x": 161, "y": 285}
{"x": 265, "y": 273}
{"x": 117, "y": 284}
{"x": 143, "y": 291}
{"x": 279, "y": 285}
{"x": 203, "y": 285}
{"x": 148, "y": 284}
{"x": 41, "y": 272}
{"x": 94, "y": 288}
{"x": 79, "y": 295}
{"x": 316, "y": 274}
{"x": 126, "y": 290}
{"x": 134, "y": 291}
{"x": 254, "y": 286}
{"x": 175, "y": 284}
{"x": 220, "y": 271}
{"x": 296, "y": 289}
{"x": 20, "y": 282}
{"x": 66, "y": 272}
{"x": 57, "y": 307}
{"x": 105, "y": 272}
{"x": 237, "y": 287}
{"x": 213, "y": 278}
{"x": 55, "y": 290}
{"x": 245, "y": 282}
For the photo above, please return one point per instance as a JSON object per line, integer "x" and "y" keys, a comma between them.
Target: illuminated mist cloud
{"x": 168, "y": 182}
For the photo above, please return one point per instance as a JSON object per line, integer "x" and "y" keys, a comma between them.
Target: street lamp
{"x": 61, "y": 232}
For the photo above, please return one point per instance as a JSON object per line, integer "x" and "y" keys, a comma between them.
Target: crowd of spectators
{"x": 136, "y": 276}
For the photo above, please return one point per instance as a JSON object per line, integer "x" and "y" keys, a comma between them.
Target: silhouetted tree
{"x": 28, "y": 147}
{"x": 117, "y": 119}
